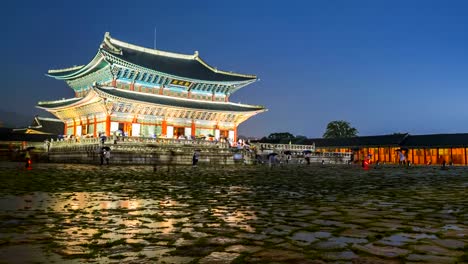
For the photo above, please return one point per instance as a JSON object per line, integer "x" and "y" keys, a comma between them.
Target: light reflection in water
{"x": 102, "y": 216}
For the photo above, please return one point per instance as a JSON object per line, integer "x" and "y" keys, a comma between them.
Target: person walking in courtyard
{"x": 27, "y": 158}
{"x": 307, "y": 158}
{"x": 195, "y": 158}
{"x": 101, "y": 156}
{"x": 402, "y": 157}
{"x": 107, "y": 156}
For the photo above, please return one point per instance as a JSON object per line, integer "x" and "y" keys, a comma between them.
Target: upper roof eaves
{"x": 58, "y": 103}
{"x": 64, "y": 72}
{"x": 183, "y": 65}
{"x": 179, "y": 102}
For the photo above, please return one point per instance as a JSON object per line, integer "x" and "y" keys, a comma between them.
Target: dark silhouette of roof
{"x": 175, "y": 64}
{"x": 7, "y": 134}
{"x": 437, "y": 140}
{"x": 43, "y": 125}
{"x": 366, "y": 141}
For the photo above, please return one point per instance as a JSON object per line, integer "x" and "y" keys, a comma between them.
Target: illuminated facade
{"x": 418, "y": 149}
{"x": 146, "y": 92}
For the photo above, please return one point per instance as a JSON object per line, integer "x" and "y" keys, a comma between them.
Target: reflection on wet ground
{"x": 308, "y": 214}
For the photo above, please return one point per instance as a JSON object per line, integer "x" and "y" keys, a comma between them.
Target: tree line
{"x": 334, "y": 129}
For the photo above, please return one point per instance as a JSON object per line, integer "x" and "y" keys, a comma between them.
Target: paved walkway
{"x": 246, "y": 214}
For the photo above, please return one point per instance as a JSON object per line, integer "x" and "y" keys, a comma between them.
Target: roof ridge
{"x": 200, "y": 60}
{"x": 108, "y": 39}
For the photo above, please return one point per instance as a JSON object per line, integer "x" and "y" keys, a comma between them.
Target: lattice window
{"x": 126, "y": 73}
{"x": 156, "y": 78}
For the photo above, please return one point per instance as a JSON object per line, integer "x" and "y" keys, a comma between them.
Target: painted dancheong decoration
{"x": 146, "y": 92}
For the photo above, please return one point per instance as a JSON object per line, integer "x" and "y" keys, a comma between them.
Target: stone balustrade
{"x": 136, "y": 141}
{"x": 283, "y": 147}
{"x": 140, "y": 150}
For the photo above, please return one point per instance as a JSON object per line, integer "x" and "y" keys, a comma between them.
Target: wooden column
{"x": 189, "y": 94}
{"x": 226, "y": 99}
{"x": 95, "y": 127}
{"x": 212, "y": 96}
{"x": 87, "y": 125}
{"x": 108, "y": 125}
{"x": 425, "y": 159}
{"x": 389, "y": 154}
{"x": 235, "y": 134}
{"x": 193, "y": 128}
{"x": 132, "y": 86}
{"x": 161, "y": 89}
{"x": 114, "y": 82}
{"x": 464, "y": 150}
{"x": 164, "y": 128}
{"x": 451, "y": 156}
{"x": 437, "y": 157}
{"x": 74, "y": 127}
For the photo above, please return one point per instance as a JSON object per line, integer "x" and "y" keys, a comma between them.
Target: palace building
{"x": 147, "y": 92}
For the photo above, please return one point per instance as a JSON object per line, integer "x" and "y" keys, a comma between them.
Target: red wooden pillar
{"x": 212, "y": 96}
{"x": 114, "y": 82}
{"x": 437, "y": 157}
{"x": 132, "y": 86}
{"x": 164, "y": 127}
{"x": 451, "y": 156}
{"x": 95, "y": 127}
{"x": 235, "y": 133}
{"x": 425, "y": 159}
{"x": 226, "y": 99}
{"x": 464, "y": 149}
{"x": 108, "y": 125}
{"x": 189, "y": 94}
{"x": 389, "y": 154}
{"x": 161, "y": 89}
{"x": 87, "y": 125}
{"x": 74, "y": 127}
{"x": 193, "y": 129}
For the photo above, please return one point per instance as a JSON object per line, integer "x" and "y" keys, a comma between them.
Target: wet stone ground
{"x": 247, "y": 214}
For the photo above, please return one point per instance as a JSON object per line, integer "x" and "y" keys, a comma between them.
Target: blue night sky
{"x": 384, "y": 66}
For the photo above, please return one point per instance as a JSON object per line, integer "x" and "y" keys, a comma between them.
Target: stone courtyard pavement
{"x": 247, "y": 214}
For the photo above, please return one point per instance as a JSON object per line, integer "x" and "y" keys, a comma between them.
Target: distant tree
{"x": 300, "y": 140}
{"x": 279, "y": 138}
{"x": 282, "y": 135}
{"x": 340, "y": 129}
